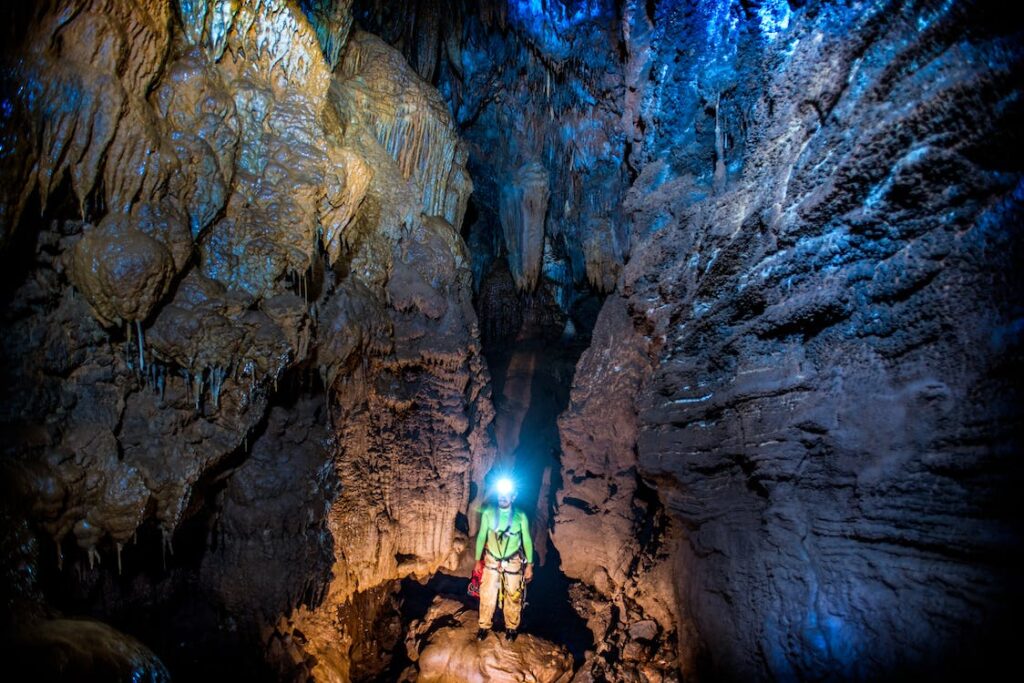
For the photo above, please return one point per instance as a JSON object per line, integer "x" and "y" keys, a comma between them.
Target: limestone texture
{"x": 810, "y": 475}
{"x": 239, "y": 331}
{"x": 732, "y": 285}
{"x": 446, "y": 650}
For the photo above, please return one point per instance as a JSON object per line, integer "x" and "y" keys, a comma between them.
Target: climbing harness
{"x": 503, "y": 538}
{"x": 503, "y": 590}
{"x": 505, "y": 567}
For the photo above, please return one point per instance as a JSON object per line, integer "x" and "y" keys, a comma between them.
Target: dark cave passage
{"x": 731, "y": 288}
{"x": 531, "y": 375}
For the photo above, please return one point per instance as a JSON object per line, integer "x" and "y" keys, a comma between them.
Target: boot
{"x": 512, "y": 635}
{"x": 481, "y": 633}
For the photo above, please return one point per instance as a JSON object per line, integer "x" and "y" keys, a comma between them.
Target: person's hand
{"x": 479, "y": 568}
{"x": 528, "y": 575}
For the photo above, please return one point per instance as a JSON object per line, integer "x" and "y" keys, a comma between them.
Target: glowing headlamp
{"x": 504, "y": 486}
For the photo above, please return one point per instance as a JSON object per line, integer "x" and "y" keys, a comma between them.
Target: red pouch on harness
{"x": 474, "y": 583}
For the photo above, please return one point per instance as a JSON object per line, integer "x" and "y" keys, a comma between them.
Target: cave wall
{"x": 233, "y": 260}
{"x": 236, "y": 296}
{"x": 816, "y": 333}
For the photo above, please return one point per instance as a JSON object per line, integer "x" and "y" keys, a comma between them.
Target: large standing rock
{"x": 83, "y": 650}
{"x": 446, "y": 650}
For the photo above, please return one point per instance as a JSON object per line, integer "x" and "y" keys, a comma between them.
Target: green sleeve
{"x": 481, "y": 535}
{"x": 527, "y": 539}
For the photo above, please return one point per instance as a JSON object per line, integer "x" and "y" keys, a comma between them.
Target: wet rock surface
{"x": 82, "y": 650}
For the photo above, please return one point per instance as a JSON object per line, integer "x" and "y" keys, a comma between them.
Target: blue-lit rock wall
{"x": 819, "y": 326}
{"x": 792, "y": 443}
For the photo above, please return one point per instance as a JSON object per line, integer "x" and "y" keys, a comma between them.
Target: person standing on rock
{"x": 504, "y": 548}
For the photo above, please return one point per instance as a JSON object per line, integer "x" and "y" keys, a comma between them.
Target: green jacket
{"x": 503, "y": 533}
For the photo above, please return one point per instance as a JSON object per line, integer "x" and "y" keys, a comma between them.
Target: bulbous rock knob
{"x": 122, "y": 272}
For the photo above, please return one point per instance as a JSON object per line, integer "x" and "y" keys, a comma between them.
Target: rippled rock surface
{"x": 816, "y": 331}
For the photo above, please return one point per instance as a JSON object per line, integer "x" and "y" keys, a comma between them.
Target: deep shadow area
{"x": 201, "y": 597}
{"x": 532, "y": 374}
{"x": 549, "y": 613}
{"x": 414, "y": 599}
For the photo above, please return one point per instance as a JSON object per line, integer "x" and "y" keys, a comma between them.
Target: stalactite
{"x": 142, "y": 356}
{"x": 719, "y": 146}
{"x": 217, "y": 375}
{"x": 524, "y": 203}
{"x": 415, "y": 130}
{"x": 197, "y": 390}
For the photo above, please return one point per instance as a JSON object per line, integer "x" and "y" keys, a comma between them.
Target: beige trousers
{"x": 502, "y": 580}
